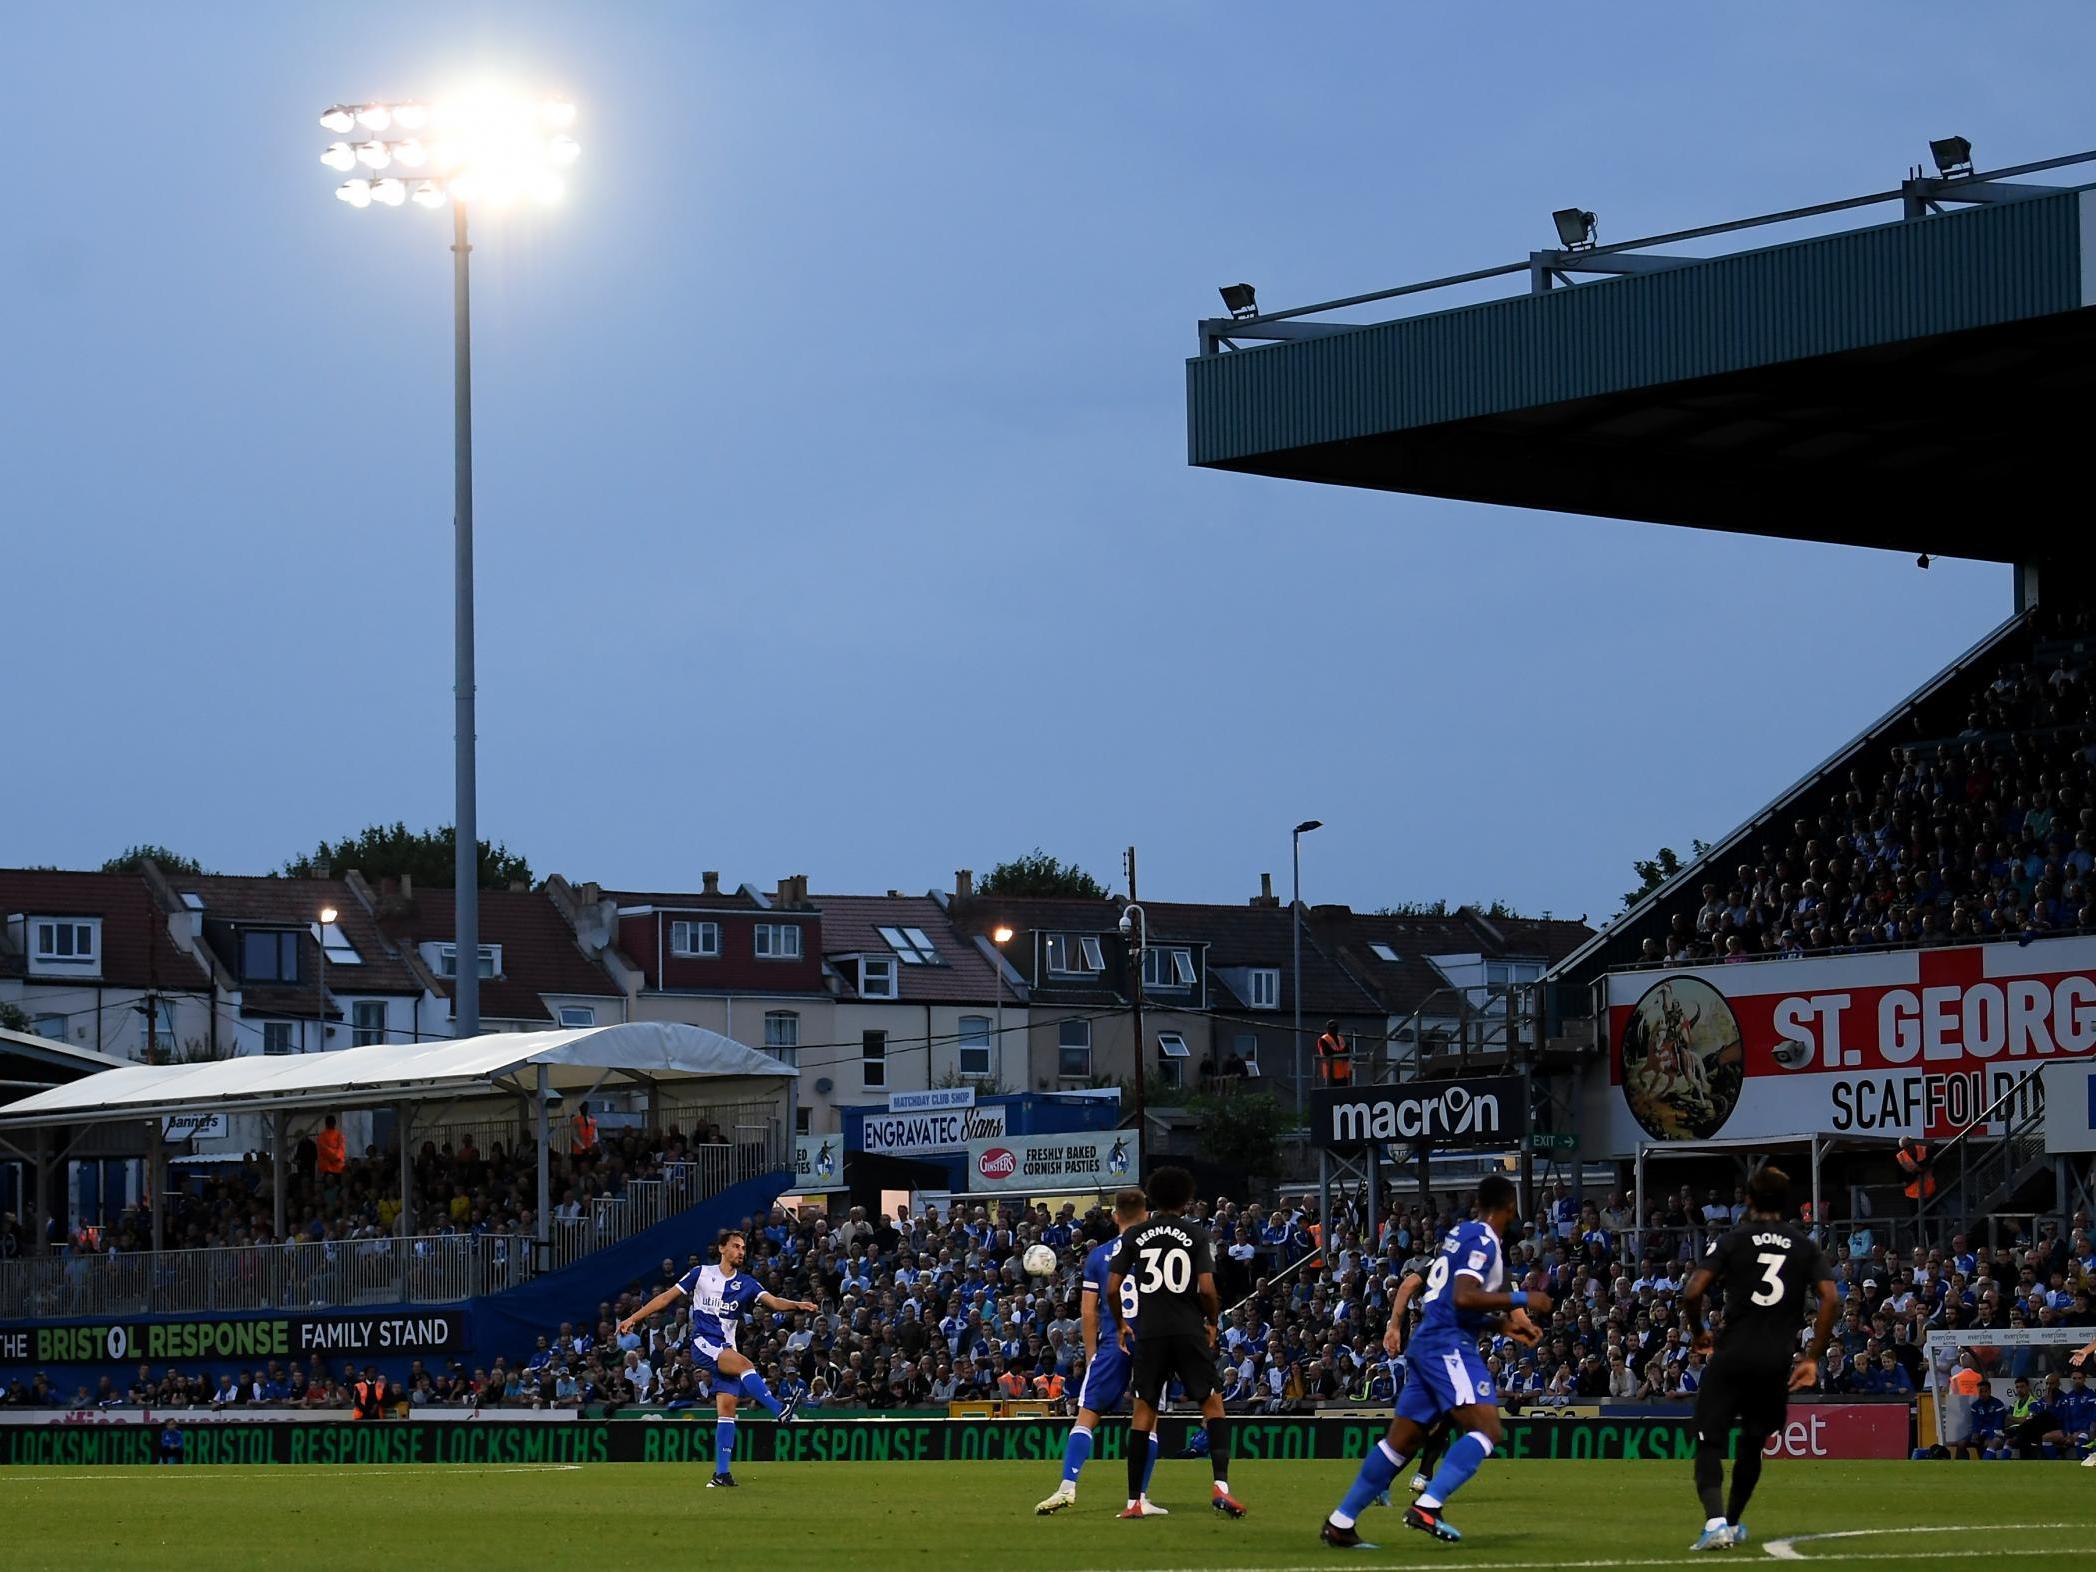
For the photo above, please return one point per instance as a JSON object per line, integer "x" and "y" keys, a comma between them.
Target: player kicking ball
{"x": 2080, "y": 1357}
{"x": 1164, "y": 1268}
{"x": 1444, "y": 1375}
{"x": 1770, "y": 1271}
{"x": 1105, "y": 1364}
{"x": 720, "y": 1297}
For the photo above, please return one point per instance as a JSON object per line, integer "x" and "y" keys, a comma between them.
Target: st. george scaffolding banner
{"x": 1902, "y": 1042}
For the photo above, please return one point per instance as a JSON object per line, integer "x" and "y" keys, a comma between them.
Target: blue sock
{"x": 723, "y": 1445}
{"x": 1377, "y": 1470}
{"x": 1470, "y": 1449}
{"x": 1150, "y": 1467}
{"x": 756, "y": 1391}
{"x": 1077, "y": 1451}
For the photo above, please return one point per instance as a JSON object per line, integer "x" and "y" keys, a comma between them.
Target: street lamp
{"x": 1000, "y": 936}
{"x": 1135, "y": 932}
{"x": 328, "y": 916}
{"x": 487, "y": 149}
{"x": 1295, "y": 928}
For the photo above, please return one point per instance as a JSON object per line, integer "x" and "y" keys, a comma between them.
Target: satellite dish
{"x": 824, "y": 1084}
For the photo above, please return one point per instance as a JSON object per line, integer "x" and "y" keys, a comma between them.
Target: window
{"x": 1171, "y": 1073}
{"x": 782, "y": 1029}
{"x": 66, "y": 944}
{"x": 779, "y": 941}
{"x": 1168, "y": 968}
{"x": 1383, "y": 952}
{"x": 975, "y": 1041}
{"x": 490, "y": 960}
{"x": 912, "y": 946}
{"x": 192, "y": 901}
{"x": 1075, "y": 953}
{"x": 873, "y": 1058}
{"x": 367, "y": 1023}
{"x": 1248, "y": 1047}
{"x": 877, "y": 977}
{"x": 573, "y": 1016}
{"x": 1266, "y": 988}
{"x": 803, "y": 1120}
{"x": 1172, "y": 1045}
{"x": 51, "y": 1026}
{"x": 276, "y": 1037}
{"x": 338, "y": 950}
{"x": 1074, "y": 1051}
{"x": 163, "y": 1027}
{"x": 694, "y": 938}
{"x": 268, "y": 955}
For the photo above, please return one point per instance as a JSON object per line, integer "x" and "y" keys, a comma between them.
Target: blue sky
{"x": 833, "y": 512}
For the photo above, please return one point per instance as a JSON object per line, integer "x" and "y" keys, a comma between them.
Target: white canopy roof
{"x": 499, "y": 1063}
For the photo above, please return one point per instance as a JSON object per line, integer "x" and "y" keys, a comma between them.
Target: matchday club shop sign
{"x": 1907, "y": 1042}
{"x": 1826, "y": 1430}
{"x": 256, "y": 1337}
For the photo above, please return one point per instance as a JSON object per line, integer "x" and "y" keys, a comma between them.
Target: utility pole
{"x": 1135, "y": 932}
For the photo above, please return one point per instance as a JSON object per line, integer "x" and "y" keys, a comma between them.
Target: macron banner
{"x": 1901, "y": 1042}
{"x": 1469, "y": 1111}
{"x": 1054, "y": 1162}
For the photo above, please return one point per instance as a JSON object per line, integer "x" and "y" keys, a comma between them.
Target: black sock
{"x": 1710, "y": 1477}
{"x": 1430, "y": 1454}
{"x": 1746, "y": 1474}
{"x": 1138, "y": 1459}
{"x": 1218, "y": 1445}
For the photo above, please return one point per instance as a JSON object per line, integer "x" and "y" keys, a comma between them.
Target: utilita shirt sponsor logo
{"x": 999, "y": 1162}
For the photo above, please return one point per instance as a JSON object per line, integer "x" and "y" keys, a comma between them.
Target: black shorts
{"x": 1158, "y": 1359}
{"x": 1753, "y": 1394}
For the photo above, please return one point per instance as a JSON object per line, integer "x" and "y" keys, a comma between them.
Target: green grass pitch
{"x": 918, "y": 1517}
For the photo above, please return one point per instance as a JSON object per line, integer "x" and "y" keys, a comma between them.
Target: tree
{"x": 382, "y": 852}
{"x": 1492, "y": 910}
{"x": 129, "y": 860}
{"x": 13, "y": 1018}
{"x": 1654, "y": 871}
{"x": 1241, "y": 1132}
{"x": 1041, "y": 874}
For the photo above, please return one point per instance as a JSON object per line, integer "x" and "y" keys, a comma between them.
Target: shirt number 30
{"x": 1171, "y": 1270}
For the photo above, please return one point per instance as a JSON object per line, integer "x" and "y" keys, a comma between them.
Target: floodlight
{"x": 357, "y": 193}
{"x": 1240, "y": 300}
{"x": 428, "y": 194}
{"x": 328, "y": 914}
{"x": 374, "y": 117}
{"x": 411, "y": 117}
{"x": 389, "y": 191}
{"x": 1953, "y": 155}
{"x": 373, "y": 154}
{"x": 340, "y": 155}
{"x": 410, "y": 154}
{"x": 563, "y": 150}
{"x": 340, "y": 118}
{"x": 559, "y": 114}
{"x": 1575, "y": 227}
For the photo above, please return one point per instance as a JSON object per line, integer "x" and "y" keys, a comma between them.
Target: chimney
{"x": 963, "y": 884}
{"x": 591, "y": 893}
{"x": 407, "y": 888}
{"x": 1266, "y": 896}
{"x": 711, "y": 879}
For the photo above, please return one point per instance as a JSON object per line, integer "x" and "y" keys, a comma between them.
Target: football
{"x": 1039, "y": 1260}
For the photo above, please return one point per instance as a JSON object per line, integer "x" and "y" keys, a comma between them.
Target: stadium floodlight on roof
{"x": 1575, "y": 227}
{"x": 1953, "y": 155}
{"x": 1240, "y": 300}
{"x": 484, "y": 148}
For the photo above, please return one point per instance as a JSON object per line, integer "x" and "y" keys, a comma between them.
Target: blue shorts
{"x": 1440, "y": 1379}
{"x": 705, "y": 1353}
{"x": 1105, "y": 1378}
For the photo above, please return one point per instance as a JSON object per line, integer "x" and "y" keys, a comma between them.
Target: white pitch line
{"x": 1782, "y": 1549}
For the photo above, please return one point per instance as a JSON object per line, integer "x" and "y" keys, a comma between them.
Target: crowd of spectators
{"x": 1974, "y": 833}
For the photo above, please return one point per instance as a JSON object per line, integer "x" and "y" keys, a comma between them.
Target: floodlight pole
{"x": 465, "y": 832}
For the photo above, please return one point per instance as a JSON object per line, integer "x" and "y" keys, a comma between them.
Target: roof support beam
{"x": 1549, "y": 268}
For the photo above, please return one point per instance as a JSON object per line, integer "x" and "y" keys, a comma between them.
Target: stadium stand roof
{"x": 502, "y": 1063}
{"x": 1883, "y": 386}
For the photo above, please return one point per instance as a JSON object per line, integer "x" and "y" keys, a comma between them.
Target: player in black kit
{"x": 1770, "y": 1271}
{"x": 1171, "y": 1265}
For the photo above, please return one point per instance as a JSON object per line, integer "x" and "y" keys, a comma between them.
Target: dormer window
{"x": 877, "y": 977}
{"x": 268, "y": 955}
{"x": 1075, "y": 954}
{"x": 912, "y": 946}
{"x": 1265, "y": 988}
{"x": 490, "y": 960}
{"x": 66, "y": 946}
{"x": 1168, "y": 968}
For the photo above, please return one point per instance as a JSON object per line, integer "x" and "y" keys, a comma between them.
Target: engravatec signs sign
{"x": 941, "y": 1130}
{"x": 1904, "y": 1042}
{"x": 1470, "y": 1111}
{"x": 1048, "y": 1163}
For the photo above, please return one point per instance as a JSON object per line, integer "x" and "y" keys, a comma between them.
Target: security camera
{"x": 1127, "y": 925}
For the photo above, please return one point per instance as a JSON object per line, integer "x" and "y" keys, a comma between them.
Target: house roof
{"x": 137, "y": 950}
{"x": 736, "y": 900}
{"x": 851, "y": 925}
{"x": 1405, "y": 985}
{"x": 982, "y": 914}
{"x": 232, "y": 902}
{"x": 1260, "y": 936}
{"x": 539, "y": 952}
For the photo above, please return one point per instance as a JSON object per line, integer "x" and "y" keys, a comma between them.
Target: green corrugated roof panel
{"x": 1975, "y": 268}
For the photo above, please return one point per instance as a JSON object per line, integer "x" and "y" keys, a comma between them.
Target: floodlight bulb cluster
{"x": 484, "y": 148}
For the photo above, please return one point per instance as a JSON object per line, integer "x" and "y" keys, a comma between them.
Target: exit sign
{"x": 1545, "y": 1141}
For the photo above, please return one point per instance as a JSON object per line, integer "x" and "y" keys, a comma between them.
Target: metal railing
{"x": 426, "y": 1269}
{"x": 1977, "y": 1170}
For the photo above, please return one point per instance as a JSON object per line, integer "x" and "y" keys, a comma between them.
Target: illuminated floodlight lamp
{"x": 563, "y": 150}
{"x": 357, "y": 193}
{"x": 340, "y": 118}
{"x": 389, "y": 191}
{"x": 558, "y": 113}
{"x": 1240, "y": 300}
{"x": 486, "y": 147}
{"x": 375, "y": 117}
{"x": 1575, "y": 228}
{"x": 411, "y": 117}
{"x": 376, "y": 155}
{"x": 410, "y": 154}
{"x": 1953, "y": 155}
{"x": 428, "y": 194}
{"x": 340, "y": 156}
